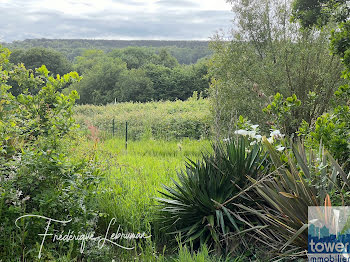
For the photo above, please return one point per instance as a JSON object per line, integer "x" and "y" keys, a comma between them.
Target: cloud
{"x": 160, "y": 19}
{"x": 177, "y": 3}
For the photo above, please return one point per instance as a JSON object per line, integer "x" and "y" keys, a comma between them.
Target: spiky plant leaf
{"x": 190, "y": 205}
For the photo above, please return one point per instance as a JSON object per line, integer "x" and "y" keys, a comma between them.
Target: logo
{"x": 109, "y": 237}
{"x": 329, "y": 234}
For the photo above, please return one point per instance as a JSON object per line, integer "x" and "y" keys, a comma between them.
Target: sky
{"x": 113, "y": 19}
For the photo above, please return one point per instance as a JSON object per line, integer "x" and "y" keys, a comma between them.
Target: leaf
{"x": 288, "y": 195}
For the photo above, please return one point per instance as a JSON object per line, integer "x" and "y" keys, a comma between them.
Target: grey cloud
{"x": 167, "y": 25}
{"x": 129, "y": 2}
{"x": 177, "y": 3}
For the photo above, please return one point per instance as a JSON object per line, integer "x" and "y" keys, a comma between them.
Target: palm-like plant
{"x": 191, "y": 206}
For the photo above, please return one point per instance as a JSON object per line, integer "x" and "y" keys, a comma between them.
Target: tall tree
{"x": 267, "y": 54}
{"x": 135, "y": 86}
{"x": 33, "y": 58}
{"x": 134, "y": 57}
{"x": 98, "y": 84}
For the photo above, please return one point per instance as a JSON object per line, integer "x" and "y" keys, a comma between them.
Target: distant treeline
{"x": 186, "y": 52}
{"x": 136, "y": 74}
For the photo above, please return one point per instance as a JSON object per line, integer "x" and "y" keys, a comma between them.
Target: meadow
{"x": 131, "y": 183}
{"x": 167, "y": 120}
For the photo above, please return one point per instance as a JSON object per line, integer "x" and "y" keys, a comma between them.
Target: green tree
{"x": 267, "y": 55}
{"x": 33, "y": 58}
{"x": 160, "y": 76}
{"x": 88, "y": 59}
{"x": 135, "y": 86}
{"x": 200, "y": 77}
{"x": 98, "y": 83}
{"x": 37, "y": 174}
{"x": 146, "y": 76}
{"x": 134, "y": 57}
{"x": 319, "y": 12}
{"x": 166, "y": 59}
{"x": 332, "y": 128}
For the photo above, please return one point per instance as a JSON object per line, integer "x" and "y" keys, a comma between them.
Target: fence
{"x": 132, "y": 130}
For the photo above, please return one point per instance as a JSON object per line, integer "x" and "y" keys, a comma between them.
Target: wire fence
{"x": 130, "y": 130}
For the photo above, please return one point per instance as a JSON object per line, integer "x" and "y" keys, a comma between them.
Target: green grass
{"x": 133, "y": 178}
{"x": 162, "y": 120}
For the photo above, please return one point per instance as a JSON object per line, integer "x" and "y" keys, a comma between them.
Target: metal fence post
{"x": 126, "y": 135}
{"x": 113, "y": 128}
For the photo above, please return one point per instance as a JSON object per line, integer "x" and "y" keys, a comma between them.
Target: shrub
{"x": 37, "y": 175}
{"x": 300, "y": 180}
{"x": 332, "y": 130}
{"x": 192, "y": 207}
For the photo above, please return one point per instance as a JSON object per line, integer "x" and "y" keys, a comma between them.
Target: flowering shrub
{"x": 252, "y": 133}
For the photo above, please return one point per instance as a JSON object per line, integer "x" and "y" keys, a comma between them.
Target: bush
{"x": 300, "y": 179}
{"x": 332, "y": 130}
{"x": 193, "y": 207}
{"x": 37, "y": 175}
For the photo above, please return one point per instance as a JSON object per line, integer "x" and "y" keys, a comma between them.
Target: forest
{"x": 186, "y": 52}
{"x": 137, "y": 74}
{"x": 181, "y": 151}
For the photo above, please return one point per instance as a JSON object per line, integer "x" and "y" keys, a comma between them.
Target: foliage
{"x": 179, "y": 82}
{"x": 135, "y": 57}
{"x": 146, "y": 76}
{"x": 37, "y": 176}
{"x": 282, "y": 112}
{"x": 98, "y": 83}
{"x": 87, "y": 60}
{"x": 132, "y": 180}
{"x": 331, "y": 128}
{"x": 36, "y": 57}
{"x": 202, "y": 256}
{"x": 186, "y": 52}
{"x": 300, "y": 179}
{"x": 134, "y": 85}
{"x": 333, "y": 131}
{"x": 191, "y": 208}
{"x": 319, "y": 12}
{"x": 267, "y": 55}
{"x": 166, "y": 120}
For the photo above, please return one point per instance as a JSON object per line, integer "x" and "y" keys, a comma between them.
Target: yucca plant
{"x": 303, "y": 179}
{"x": 190, "y": 207}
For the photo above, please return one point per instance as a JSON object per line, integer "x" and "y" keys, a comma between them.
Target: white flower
{"x": 19, "y": 193}
{"x": 276, "y": 134}
{"x": 253, "y": 143}
{"x": 26, "y": 198}
{"x": 258, "y": 137}
{"x": 226, "y": 139}
{"x": 241, "y": 132}
{"x": 280, "y": 148}
{"x": 270, "y": 140}
{"x": 251, "y": 134}
{"x": 254, "y": 127}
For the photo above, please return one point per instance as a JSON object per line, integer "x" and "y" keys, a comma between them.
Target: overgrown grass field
{"x": 132, "y": 181}
{"x": 162, "y": 120}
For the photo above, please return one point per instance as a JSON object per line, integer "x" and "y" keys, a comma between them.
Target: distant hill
{"x": 186, "y": 52}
